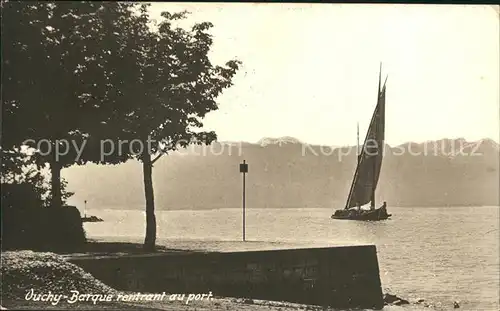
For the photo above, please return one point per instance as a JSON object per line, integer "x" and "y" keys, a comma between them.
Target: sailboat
{"x": 368, "y": 168}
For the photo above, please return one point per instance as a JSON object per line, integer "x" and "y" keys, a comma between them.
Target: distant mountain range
{"x": 284, "y": 172}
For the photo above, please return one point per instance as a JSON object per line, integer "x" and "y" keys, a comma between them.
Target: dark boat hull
{"x": 370, "y": 215}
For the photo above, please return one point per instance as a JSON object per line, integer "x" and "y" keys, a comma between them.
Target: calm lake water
{"x": 439, "y": 254}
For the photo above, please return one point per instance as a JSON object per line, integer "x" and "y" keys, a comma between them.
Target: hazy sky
{"x": 311, "y": 70}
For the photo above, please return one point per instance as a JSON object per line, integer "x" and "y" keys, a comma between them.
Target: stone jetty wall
{"x": 340, "y": 277}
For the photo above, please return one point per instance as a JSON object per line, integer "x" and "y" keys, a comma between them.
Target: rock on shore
{"x": 390, "y": 299}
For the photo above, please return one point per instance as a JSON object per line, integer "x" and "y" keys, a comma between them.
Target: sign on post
{"x": 244, "y": 167}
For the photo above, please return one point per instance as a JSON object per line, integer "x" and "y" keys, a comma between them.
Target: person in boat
{"x": 384, "y": 207}
{"x": 358, "y": 207}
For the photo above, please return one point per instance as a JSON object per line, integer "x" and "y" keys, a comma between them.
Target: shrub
{"x": 22, "y": 271}
{"x": 37, "y": 228}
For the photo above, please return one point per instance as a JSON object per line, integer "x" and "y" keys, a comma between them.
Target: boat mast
{"x": 357, "y": 146}
{"x": 374, "y": 171}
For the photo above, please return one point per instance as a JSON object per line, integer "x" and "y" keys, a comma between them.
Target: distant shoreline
{"x": 281, "y": 208}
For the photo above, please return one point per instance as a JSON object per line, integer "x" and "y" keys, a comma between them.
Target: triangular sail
{"x": 368, "y": 167}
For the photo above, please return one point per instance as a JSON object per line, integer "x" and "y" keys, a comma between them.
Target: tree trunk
{"x": 55, "y": 183}
{"x": 150, "y": 239}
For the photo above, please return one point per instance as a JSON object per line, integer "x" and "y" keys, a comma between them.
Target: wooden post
{"x": 244, "y": 170}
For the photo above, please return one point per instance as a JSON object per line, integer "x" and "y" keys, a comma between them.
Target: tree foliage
{"x": 165, "y": 86}
{"x": 55, "y": 56}
{"x": 20, "y": 168}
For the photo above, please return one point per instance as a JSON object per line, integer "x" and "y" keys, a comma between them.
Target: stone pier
{"x": 340, "y": 277}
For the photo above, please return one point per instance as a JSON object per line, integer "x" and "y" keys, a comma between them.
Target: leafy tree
{"x": 20, "y": 168}
{"x": 54, "y": 77}
{"x": 168, "y": 86}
